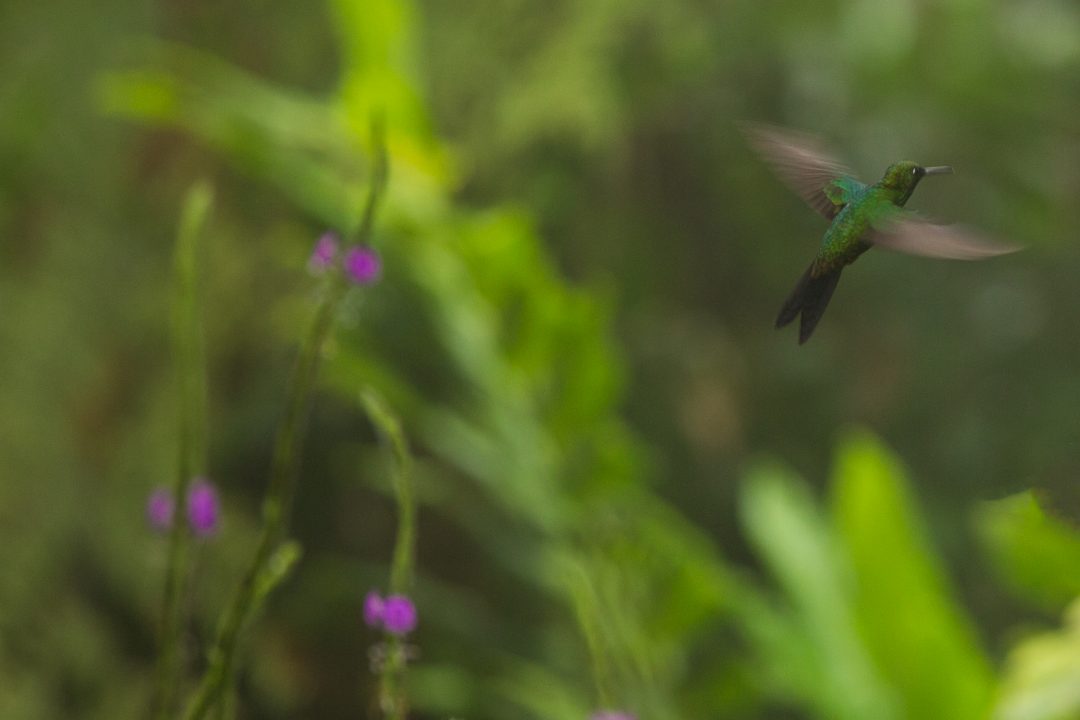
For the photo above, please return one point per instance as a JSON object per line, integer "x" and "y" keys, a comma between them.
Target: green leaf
{"x": 1037, "y": 554}
{"x": 799, "y": 547}
{"x": 301, "y": 145}
{"x": 1042, "y": 675}
{"x": 921, "y": 640}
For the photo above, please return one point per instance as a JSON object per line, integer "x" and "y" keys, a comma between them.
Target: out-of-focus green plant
{"x": 918, "y": 635}
{"x": 189, "y": 351}
{"x": 826, "y": 662}
{"x": 1038, "y": 557}
{"x": 503, "y": 374}
{"x": 1042, "y": 675}
{"x": 392, "y": 662}
{"x": 873, "y": 629}
{"x": 609, "y": 122}
{"x": 505, "y": 377}
{"x": 274, "y": 554}
{"x": 528, "y": 417}
{"x": 1037, "y": 554}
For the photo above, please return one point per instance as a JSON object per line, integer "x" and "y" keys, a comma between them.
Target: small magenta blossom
{"x": 612, "y": 715}
{"x": 395, "y": 614}
{"x": 362, "y": 264}
{"x": 374, "y": 609}
{"x": 324, "y": 253}
{"x": 399, "y": 615}
{"x": 203, "y": 508}
{"x": 159, "y": 509}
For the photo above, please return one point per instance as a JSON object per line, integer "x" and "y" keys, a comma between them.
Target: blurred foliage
{"x": 1042, "y": 678}
{"x": 1036, "y": 554}
{"x": 886, "y": 638}
{"x": 597, "y": 526}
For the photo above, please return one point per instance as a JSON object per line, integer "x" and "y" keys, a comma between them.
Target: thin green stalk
{"x": 262, "y": 573}
{"x": 380, "y": 172}
{"x": 191, "y": 458}
{"x": 586, "y": 604}
{"x": 389, "y": 426}
{"x": 392, "y": 698}
{"x": 401, "y": 573}
{"x": 276, "y": 506}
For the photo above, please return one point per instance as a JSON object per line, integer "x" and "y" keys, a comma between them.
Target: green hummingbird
{"x": 861, "y": 217}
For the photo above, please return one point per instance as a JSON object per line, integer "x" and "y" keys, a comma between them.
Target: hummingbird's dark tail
{"x": 810, "y": 297}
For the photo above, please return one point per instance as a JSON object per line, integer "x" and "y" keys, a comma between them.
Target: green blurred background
{"x": 634, "y": 492}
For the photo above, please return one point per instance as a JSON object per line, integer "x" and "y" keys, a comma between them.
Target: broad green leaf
{"x": 380, "y": 72}
{"x": 799, "y": 547}
{"x": 918, "y": 636}
{"x": 1037, "y": 554}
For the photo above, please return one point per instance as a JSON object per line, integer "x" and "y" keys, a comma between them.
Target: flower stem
{"x": 260, "y": 575}
{"x": 276, "y": 506}
{"x": 191, "y": 458}
{"x": 392, "y": 698}
{"x": 401, "y": 572}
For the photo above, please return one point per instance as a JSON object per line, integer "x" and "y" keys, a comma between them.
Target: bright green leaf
{"x": 918, "y": 636}
{"x": 1042, "y": 676}
{"x": 798, "y": 545}
{"x": 1037, "y": 554}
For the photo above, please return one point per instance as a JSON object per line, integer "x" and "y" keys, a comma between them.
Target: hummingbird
{"x": 861, "y": 217}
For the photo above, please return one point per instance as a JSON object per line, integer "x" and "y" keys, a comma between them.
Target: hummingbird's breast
{"x": 844, "y": 240}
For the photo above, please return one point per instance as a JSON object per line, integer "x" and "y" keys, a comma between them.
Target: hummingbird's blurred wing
{"x": 910, "y": 233}
{"x": 822, "y": 181}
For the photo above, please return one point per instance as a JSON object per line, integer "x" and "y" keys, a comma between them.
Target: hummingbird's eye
{"x": 915, "y": 171}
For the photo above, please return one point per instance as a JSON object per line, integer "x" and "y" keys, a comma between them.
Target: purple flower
{"x": 395, "y": 614}
{"x": 159, "y": 509}
{"x": 374, "y": 608}
{"x": 324, "y": 254}
{"x": 362, "y": 264}
{"x": 202, "y": 508}
{"x": 611, "y": 715}
{"x": 399, "y": 615}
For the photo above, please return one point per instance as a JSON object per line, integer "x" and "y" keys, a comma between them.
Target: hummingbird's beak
{"x": 938, "y": 170}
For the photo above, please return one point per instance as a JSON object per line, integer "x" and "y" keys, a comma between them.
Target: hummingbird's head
{"x": 902, "y": 177}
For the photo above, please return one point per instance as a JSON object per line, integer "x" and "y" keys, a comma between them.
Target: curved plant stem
{"x": 191, "y": 458}
{"x": 389, "y": 427}
{"x": 260, "y": 575}
{"x": 392, "y": 698}
{"x": 276, "y": 506}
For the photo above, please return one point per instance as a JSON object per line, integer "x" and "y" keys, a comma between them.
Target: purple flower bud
{"x": 399, "y": 615}
{"x": 374, "y": 609}
{"x": 611, "y": 715}
{"x": 159, "y": 509}
{"x": 362, "y": 265}
{"x": 326, "y": 250}
{"x": 202, "y": 508}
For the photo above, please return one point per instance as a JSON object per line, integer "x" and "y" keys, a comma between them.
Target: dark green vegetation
{"x": 632, "y": 491}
